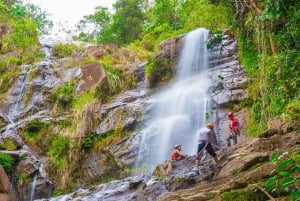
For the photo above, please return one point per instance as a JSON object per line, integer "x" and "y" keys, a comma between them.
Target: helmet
{"x": 210, "y": 125}
{"x": 230, "y": 114}
{"x": 177, "y": 146}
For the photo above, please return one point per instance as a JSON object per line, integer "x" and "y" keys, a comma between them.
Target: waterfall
{"x": 179, "y": 109}
{"x": 19, "y": 92}
{"x": 17, "y": 109}
{"x": 35, "y": 175}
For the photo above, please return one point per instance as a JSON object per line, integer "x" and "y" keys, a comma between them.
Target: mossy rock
{"x": 242, "y": 195}
{"x": 10, "y": 144}
{"x": 159, "y": 70}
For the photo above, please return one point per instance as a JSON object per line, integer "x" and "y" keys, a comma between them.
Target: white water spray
{"x": 33, "y": 186}
{"x": 180, "y": 109}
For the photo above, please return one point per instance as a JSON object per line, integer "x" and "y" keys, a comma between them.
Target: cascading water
{"x": 19, "y": 91}
{"x": 180, "y": 109}
{"x": 16, "y": 106}
{"x": 33, "y": 186}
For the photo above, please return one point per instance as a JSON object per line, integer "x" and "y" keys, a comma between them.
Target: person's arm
{"x": 182, "y": 155}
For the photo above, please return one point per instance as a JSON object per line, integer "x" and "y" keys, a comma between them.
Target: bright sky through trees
{"x": 66, "y": 13}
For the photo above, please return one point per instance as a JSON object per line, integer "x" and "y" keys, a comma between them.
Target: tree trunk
{"x": 253, "y": 5}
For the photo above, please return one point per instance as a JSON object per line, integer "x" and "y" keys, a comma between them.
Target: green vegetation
{"x": 9, "y": 144}
{"x": 58, "y": 150}
{"x": 65, "y": 50}
{"x": 63, "y": 96}
{"x": 242, "y": 195}
{"x": 6, "y": 161}
{"x": 150, "y": 23}
{"x": 33, "y": 135}
{"x": 88, "y": 141}
{"x": 158, "y": 71}
{"x": 117, "y": 80}
{"x": 34, "y": 126}
{"x": 82, "y": 100}
{"x": 269, "y": 49}
{"x": 46, "y": 139}
{"x": 39, "y": 17}
{"x": 286, "y": 181}
{"x": 23, "y": 178}
{"x": 18, "y": 42}
{"x": 105, "y": 139}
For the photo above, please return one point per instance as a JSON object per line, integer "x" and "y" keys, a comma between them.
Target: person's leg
{"x": 228, "y": 140}
{"x": 216, "y": 159}
{"x": 234, "y": 138}
{"x": 198, "y": 156}
{"x": 197, "y": 163}
{"x": 212, "y": 152}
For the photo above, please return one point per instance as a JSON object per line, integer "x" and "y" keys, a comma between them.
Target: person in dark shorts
{"x": 205, "y": 134}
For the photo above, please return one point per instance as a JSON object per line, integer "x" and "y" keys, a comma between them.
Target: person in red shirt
{"x": 234, "y": 127}
{"x": 176, "y": 153}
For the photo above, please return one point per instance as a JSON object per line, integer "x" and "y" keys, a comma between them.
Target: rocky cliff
{"x": 245, "y": 166}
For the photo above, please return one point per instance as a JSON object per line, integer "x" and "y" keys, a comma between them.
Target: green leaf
{"x": 208, "y": 45}
{"x": 284, "y": 173}
{"x": 206, "y": 115}
{"x": 274, "y": 157}
{"x": 294, "y": 195}
{"x": 271, "y": 181}
{"x": 220, "y": 77}
{"x": 283, "y": 164}
{"x": 219, "y": 38}
{"x": 285, "y": 182}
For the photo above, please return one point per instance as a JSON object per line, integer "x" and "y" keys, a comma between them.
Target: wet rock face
{"x": 125, "y": 152}
{"x": 137, "y": 188}
{"x": 229, "y": 87}
{"x": 28, "y": 169}
{"x": 229, "y": 79}
{"x": 125, "y": 112}
{"x": 27, "y": 165}
{"x": 97, "y": 165}
{"x": 180, "y": 174}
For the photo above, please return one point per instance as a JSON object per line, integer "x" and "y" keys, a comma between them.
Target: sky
{"x": 69, "y": 12}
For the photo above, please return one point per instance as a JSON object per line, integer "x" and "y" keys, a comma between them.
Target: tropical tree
{"x": 128, "y": 20}
{"x": 39, "y": 16}
{"x": 96, "y": 27}
{"x": 168, "y": 12}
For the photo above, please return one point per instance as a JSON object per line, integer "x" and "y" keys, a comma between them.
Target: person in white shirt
{"x": 205, "y": 134}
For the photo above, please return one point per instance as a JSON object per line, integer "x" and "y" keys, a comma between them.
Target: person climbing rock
{"x": 234, "y": 127}
{"x": 204, "y": 143}
{"x": 176, "y": 153}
